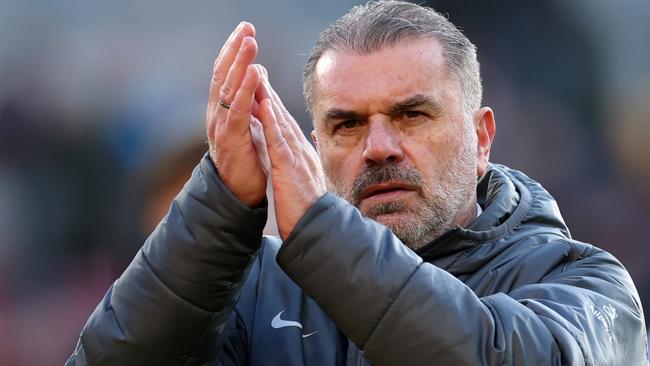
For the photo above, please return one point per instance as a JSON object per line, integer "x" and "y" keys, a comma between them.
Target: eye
{"x": 347, "y": 125}
{"x": 412, "y": 114}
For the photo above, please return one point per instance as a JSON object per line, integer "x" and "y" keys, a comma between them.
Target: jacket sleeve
{"x": 173, "y": 302}
{"x": 399, "y": 310}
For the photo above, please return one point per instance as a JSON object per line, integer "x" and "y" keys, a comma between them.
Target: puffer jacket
{"x": 511, "y": 289}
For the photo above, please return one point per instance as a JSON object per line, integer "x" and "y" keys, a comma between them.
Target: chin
{"x": 395, "y": 221}
{"x": 414, "y": 225}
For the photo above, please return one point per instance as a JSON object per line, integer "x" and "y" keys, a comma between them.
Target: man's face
{"x": 393, "y": 139}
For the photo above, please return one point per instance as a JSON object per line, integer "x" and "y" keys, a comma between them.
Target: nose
{"x": 383, "y": 142}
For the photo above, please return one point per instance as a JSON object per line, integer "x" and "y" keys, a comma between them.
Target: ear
{"x": 314, "y": 138}
{"x": 485, "y": 129}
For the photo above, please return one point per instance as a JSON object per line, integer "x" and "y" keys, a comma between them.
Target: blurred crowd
{"x": 101, "y": 123}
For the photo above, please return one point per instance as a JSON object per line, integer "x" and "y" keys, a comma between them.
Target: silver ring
{"x": 221, "y": 103}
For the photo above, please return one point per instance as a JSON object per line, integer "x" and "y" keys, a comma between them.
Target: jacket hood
{"x": 510, "y": 201}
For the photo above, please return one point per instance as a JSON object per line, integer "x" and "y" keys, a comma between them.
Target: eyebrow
{"x": 417, "y": 100}
{"x": 340, "y": 114}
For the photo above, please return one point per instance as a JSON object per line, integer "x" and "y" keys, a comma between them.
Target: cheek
{"x": 435, "y": 151}
{"x": 330, "y": 166}
{"x": 429, "y": 149}
{"x": 340, "y": 167}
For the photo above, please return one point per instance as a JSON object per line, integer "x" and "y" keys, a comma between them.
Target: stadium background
{"x": 101, "y": 121}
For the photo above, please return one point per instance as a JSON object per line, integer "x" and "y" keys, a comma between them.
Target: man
{"x": 416, "y": 265}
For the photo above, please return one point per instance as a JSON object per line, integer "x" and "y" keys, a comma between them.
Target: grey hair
{"x": 378, "y": 24}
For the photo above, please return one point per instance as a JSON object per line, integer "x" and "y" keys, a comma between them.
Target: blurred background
{"x": 102, "y": 115}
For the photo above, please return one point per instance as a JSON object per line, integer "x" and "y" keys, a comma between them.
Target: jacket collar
{"x": 505, "y": 201}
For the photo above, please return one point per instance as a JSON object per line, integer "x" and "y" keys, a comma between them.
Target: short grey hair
{"x": 378, "y": 24}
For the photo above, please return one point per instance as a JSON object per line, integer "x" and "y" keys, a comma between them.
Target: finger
{"x": 276, "y": 145}
{"x": 255, "y": 106}
{"x": 222, "y": 65}
{"x": 239, "y": 113}
{"x": 281, "y": 110}
{"x": 267, "y": 92}
{"x": 283, "y": 119}
{"x": 245, "y": 55}
{"x": 227, "y": 55}
{"x": 285, "y": 127}
{"x": 265, "y": 72}
{"x": 257, "y": 136}
{"x": 273, "y": 95}
{"x": 262, "y": 91}
{"x": 291, "y": 130}
{"x": 242, "y": 30}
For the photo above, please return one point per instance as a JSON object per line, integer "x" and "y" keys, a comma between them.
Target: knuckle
{"x": 225, "y": 92}
{"x": 231, "y": 45}
{"x": 217, "y": 74}
{"x": 236, "y": 110}
{"x": 281, "y": 144}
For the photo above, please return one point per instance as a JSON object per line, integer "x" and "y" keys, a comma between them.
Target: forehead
{"x": 346, "y": 79}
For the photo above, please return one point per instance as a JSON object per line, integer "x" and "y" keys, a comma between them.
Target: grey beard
{"x": 439, "y": 207}
{"x": 413, "y": 233}
{"x": 427, "y": 222}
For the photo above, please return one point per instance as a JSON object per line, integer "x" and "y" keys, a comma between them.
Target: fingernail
{"x": 249, "y": 25}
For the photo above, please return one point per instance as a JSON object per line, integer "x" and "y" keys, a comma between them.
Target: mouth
{"x": 389, "y": 191}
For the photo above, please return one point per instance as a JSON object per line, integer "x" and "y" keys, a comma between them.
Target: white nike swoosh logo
{"x": 278, "y": 323}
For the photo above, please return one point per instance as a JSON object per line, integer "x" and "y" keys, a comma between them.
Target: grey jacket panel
{"x": 172, "y": 303}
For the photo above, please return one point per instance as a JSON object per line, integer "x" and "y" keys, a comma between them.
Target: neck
{"x": 467, "y": 215}
{"x": 464, "y": 218}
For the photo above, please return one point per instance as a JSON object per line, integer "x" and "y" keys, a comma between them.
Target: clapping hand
{"x": 235, "y": 149}
{"x": 241, "y": 105}
{"x": 296, "y": 171}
